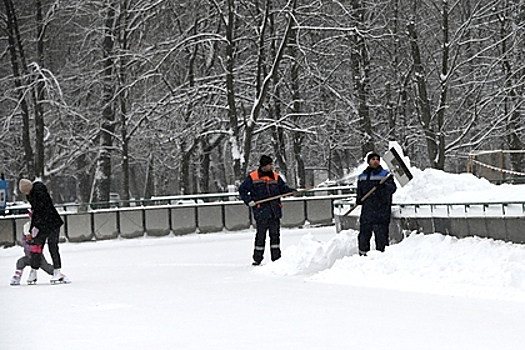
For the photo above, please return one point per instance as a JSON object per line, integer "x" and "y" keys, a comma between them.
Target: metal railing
{"x": 21, "y": 209}
{"x": 416, "y": 208}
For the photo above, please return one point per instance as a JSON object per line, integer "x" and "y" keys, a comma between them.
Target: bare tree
{"x": 155, "y": 97}
{"x": 512, "y": 31}
{"x": 17, "y": 55}
{"x": 107, "y": 128}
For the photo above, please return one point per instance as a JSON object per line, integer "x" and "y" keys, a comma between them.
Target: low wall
{"x": 162, "y": 220}
{"x": 502, "y": 221}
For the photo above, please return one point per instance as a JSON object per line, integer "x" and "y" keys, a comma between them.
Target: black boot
{"x": 276, "y": 253}
{"x": 258, "y": 254}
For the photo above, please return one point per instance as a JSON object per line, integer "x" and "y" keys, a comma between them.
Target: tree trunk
{"x": 124, "y": 99}
{"x": 361, "y": 78}
{"x": 83, "y": 181}
{"x": 278, "y": 138}
{"x": 13, "y": 37}
{"x": 297, "y": 137}
{"x": 422, "y": 99}
{"x": 185, "y": 176}
{"x": 149, "y": 186}
{"x": 230, "y": 91}
{"x": 298, "y": 150}
{"x": 207, "y": 148}
{"x": 125, "y": 192}
{"x": 39, "y": 96}
{"x": 442, "y": 108}
{"x": 514, "y": 100}
{"x": 103, "y": 174}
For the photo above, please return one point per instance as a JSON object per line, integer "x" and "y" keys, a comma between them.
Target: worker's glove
{"x": 251, "y": 204}
{"x": 358, "y": 202}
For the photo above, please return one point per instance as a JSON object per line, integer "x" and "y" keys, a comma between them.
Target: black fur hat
{"x": 265, "y": 160}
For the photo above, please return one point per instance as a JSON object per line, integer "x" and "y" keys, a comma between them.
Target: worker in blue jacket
{"x": 260, "y": 184}
{"x": 376, "y": 209}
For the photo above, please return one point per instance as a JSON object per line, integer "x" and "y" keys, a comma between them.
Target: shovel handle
{"x": 283, "y": 195}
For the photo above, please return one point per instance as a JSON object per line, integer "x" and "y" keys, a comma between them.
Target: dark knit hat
{"x": 372, "y": 155}
{"x": 265, "y": 160}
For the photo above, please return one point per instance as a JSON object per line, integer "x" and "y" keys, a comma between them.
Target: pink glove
{"x": 34, "y": 232}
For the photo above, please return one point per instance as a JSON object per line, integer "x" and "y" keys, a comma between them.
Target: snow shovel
{"x": 397, "y": 168}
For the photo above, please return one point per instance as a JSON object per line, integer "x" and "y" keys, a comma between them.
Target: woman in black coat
{"x": 45, "y": 226}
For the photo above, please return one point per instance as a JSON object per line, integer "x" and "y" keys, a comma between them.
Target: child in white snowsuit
{"x": 25, "y": 260}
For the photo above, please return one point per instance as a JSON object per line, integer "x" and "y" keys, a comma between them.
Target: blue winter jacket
{"x": 260, "y": 185}
{"x": 376, "y": 209}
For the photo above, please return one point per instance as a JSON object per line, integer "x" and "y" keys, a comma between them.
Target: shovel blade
{"x": 397, "y": 167}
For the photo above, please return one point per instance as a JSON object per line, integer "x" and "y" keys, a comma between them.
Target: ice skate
{"x": 59, "y": 277}
{"x": 32, "y": 277}
{"x": 15, "y": 280}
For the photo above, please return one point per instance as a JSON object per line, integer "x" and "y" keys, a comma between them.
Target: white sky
{"x": 200, "y": 291}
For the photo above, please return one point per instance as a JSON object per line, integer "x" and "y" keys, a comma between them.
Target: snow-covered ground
{"x": 200, "y": 291}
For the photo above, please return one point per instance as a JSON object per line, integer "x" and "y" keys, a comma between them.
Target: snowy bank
{"x": 437, "y": 186}
{"x": 436, "y": 264}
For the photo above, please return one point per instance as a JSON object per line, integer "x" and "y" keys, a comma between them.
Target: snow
{"x": 199, "y": 291}
{"x": 436, "y": 186}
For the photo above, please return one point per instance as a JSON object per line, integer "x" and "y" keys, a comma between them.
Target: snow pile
{"x": 436, "y": 264}
{"x": 439, "y": 264}
{"x": 431, "y": 185}
{"x": 437, "y": 186}
{"x": 311, "y": 255}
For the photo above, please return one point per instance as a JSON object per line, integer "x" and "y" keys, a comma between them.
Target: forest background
{"x": 160, "y": 97}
